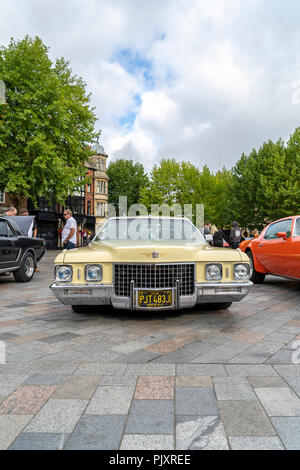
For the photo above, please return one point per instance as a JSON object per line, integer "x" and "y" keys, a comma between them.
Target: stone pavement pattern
{"x": 108, "y": 379}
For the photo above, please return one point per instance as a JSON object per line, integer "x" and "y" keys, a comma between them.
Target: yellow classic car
{"x": 150, "y": 263}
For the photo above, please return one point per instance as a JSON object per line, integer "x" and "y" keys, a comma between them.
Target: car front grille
{"x": 154, "y": 276}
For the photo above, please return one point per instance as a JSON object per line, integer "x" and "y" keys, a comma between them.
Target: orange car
{"x": 276, "y": 250}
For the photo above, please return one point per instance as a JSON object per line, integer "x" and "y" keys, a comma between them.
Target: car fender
{"x": 257, "y": 265}
{"x": 29, "y": 250}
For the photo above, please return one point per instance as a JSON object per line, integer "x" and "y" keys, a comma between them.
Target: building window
{"x": 2, "y": 197}
{"x": 101, "y": 209}
{"x": 89, "y": 207}
{"x": 102, "y": 165}
{"x": 89, "y": 188}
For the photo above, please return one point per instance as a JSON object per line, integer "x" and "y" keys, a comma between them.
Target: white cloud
{"x": 220, "y": 79}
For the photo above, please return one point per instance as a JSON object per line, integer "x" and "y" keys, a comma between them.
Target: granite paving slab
{"x": 255, "y": 443}
{"x": 233, "y": 388}
{"x": 195, "y": 401}
{"x": 77, "y": 387}
{"x": 288, "y": 429}
{"x": 10, "y": 427}
{"x": 245, "y": 418}
{"x": 147, "y": 442}
{"x": 26, "y": 399}
{"x": 39, "y": 442}
{"x": 57, "y": 417}
{"x": 151, "y": 417}
{"x": 155, "y": 388}
{"x": 100, "y": 432}
{"x": 279, "y": 401}
{"x": 200, "y": 433}
{"x": 111, "y": 399}
{"x": 193, "y": 381}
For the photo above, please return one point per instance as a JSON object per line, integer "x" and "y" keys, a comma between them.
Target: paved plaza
{"x": 108, "y": 379}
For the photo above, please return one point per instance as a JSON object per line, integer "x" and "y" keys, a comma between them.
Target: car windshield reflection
{"x": 149, "y": 229}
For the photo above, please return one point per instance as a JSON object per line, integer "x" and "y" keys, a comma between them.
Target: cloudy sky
{"x": 197, "y": 80}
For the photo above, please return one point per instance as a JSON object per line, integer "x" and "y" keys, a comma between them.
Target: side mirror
{"x": 281, "y": 235}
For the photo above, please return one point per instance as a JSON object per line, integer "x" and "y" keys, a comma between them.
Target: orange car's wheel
{"x": 256, "y": 277}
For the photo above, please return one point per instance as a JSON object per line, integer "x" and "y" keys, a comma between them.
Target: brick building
{"x": 89, "y": 204}
{"x": 99, "y": 159}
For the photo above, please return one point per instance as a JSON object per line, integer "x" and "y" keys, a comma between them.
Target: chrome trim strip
{"x": 103, "y": 294}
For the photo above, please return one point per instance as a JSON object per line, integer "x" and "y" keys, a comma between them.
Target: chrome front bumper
{"x": 103, "y": 294}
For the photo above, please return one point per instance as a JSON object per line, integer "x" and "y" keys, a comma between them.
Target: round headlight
{"x": 63, "y": 273}
{"x": 241, "y": 272}
{"x": 93, "y": 272}
{"x": 213, "y": 272}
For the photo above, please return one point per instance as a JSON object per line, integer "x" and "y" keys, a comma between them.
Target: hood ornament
{"x": 155, "y": 254}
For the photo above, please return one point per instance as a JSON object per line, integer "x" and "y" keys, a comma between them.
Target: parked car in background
{"x": 276, "y": 250}
{"x": 150, "y": 263}
{"x": 19, "y": 253}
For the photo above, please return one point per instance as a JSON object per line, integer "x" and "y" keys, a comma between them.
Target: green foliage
{"x": 126, "y": 178}
{"x": 182, "y": 183}
{"x": 45, "y": 125}
{"x": 265, "y": 185}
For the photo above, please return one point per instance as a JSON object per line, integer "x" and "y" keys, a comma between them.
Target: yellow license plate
{"x": 148, "y": 298}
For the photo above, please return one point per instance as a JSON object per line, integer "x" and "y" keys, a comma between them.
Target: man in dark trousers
{"x": 235, "y": 235}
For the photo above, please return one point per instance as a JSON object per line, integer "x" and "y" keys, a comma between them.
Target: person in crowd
{"x": 69, "y": 233}
{"x": 235, "y": 235}
{"x": 255, "y": 233}
{"x": 245, "y": 234}
{"x": 217, "y": 236}
{"x": 25, "y": 213}
{"x": 11, "y": 212}
{"x": 207, "y": 228}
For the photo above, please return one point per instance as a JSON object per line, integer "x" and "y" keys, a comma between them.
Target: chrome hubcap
{"x": 29, "y": 267}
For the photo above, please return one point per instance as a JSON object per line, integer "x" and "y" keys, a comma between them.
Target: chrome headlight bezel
{"x": 215, "y": 277}
{"x": 247, "y": 272}
{"x": 87, "y": 276}
{"x": 60, "y": 267}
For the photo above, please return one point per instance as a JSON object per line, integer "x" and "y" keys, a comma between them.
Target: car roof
{"x": 284, "y": 218}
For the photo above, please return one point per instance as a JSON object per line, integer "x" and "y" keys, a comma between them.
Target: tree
{"x": 265, "y": 185}
{"x": 173, "y": 182}
{"x": 126, "y": 178}
{"x": 45, "y": 126}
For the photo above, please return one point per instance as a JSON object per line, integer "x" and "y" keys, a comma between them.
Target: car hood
{"x": 141, "y": 252}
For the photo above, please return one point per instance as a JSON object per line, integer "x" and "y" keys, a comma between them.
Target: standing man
{"x": 235, "y": 235}
{"x": 11, "y": 211}
{"x": 25, "y": 213}
{"x": 69, "y": 233}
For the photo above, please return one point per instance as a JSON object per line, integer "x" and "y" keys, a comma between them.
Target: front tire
{"x": 218, "y": 306}
{"x": 26, "y": 271}
{"x": 256, "y": 277}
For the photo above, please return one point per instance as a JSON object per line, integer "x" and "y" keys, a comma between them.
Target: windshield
{"x": 156, "y": 229}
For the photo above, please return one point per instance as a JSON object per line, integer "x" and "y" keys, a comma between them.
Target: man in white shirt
{"x": 69, "y": 233}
